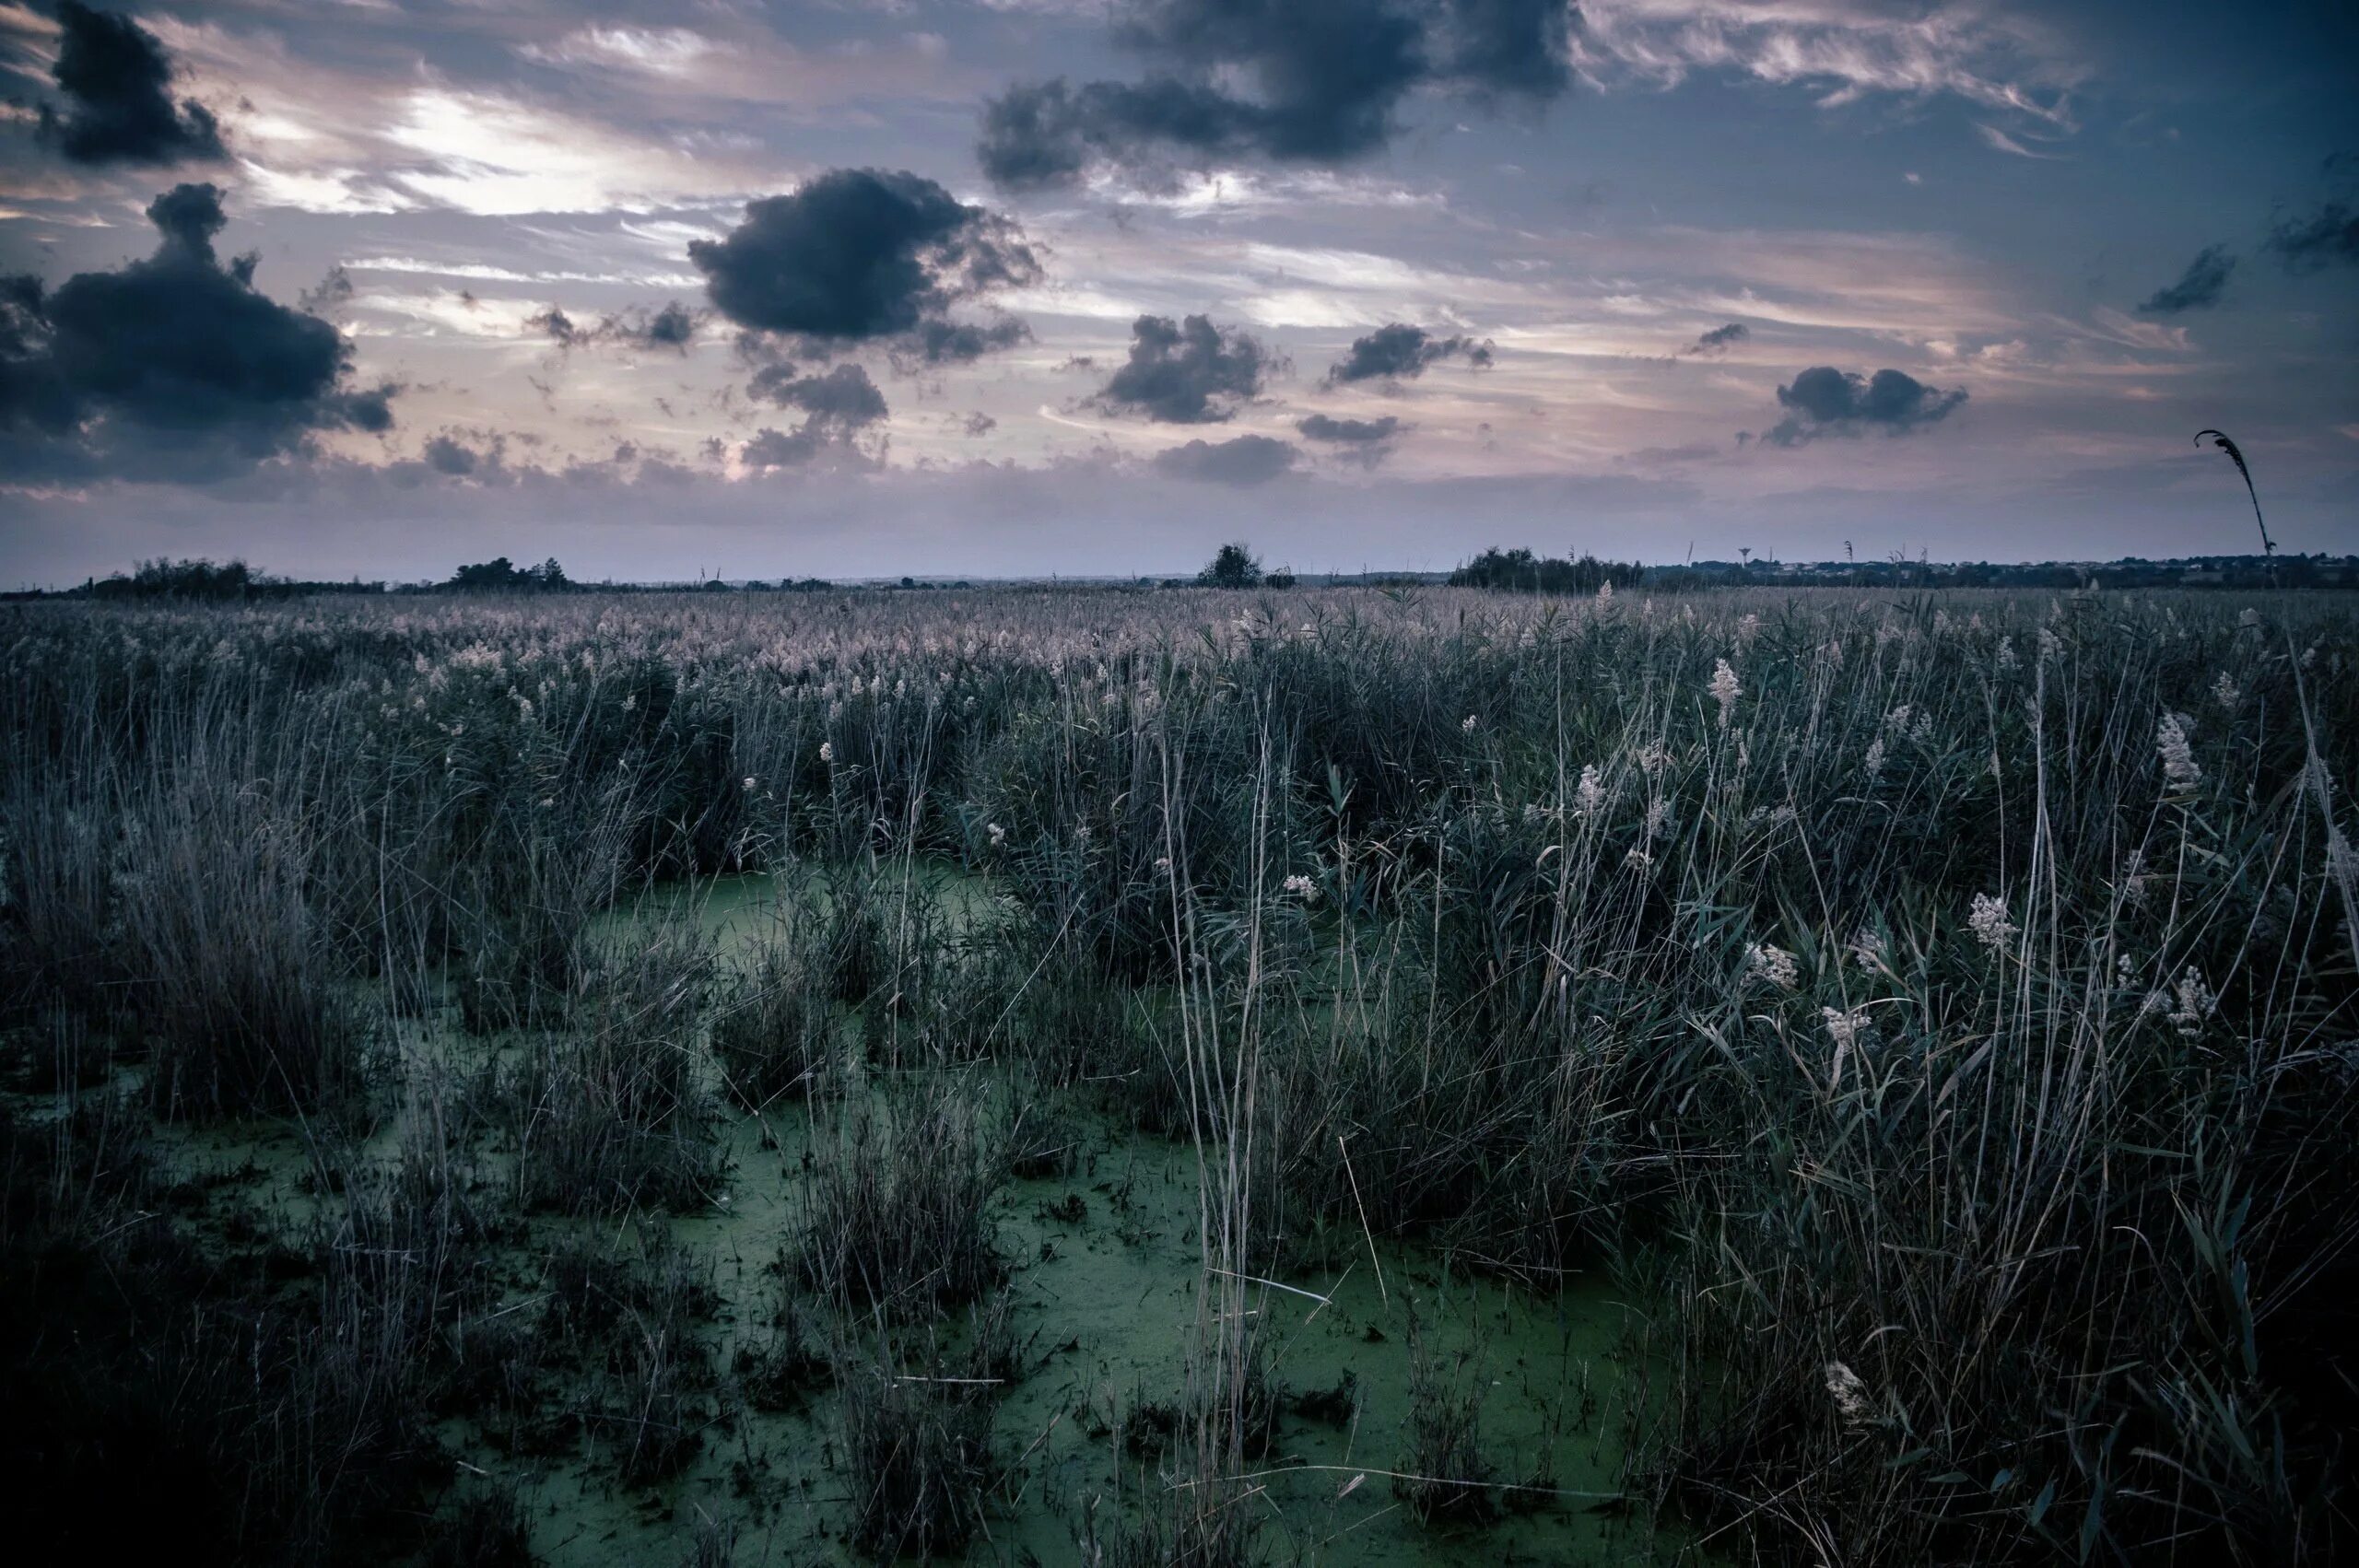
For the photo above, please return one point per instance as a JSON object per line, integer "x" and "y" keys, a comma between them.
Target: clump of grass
{"x": 524, "y": 893}
{"x": 897, "y": 1207}
{"x": 1173, "y": 1528}
{"x": 237, "y": 988}
{"x": 596, "y": 1288}
{"x": 616, "y": 1113}
{"x": 1335, "y": 1405}
{"x": 657, "y": 1424}
{"x": 1147, "y": 1427}
{"x": 876, "y": 931}
{"x": 407, "y": 1253}
{"x": 774, "y": 1031}
{"x": 779, "y": 1365}
{"x": 1064, "y": 1019}
{"x": 1445, "y": 1470}
{"x": 919, "y": 1457}
{"x": 630, "y": 1320}
{"x": 993, "y": 1353}
{"x": 57, "y": 882}
{"x": 1045, "y": 1138}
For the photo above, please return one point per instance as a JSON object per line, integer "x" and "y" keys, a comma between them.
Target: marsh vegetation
{"x": 1203, "y": 1078}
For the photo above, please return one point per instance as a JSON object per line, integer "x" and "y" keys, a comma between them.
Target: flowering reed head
{"x": 1988, "y": 916}
{"x": 2180, "y": 767}
{"x": 1724, "y": 689}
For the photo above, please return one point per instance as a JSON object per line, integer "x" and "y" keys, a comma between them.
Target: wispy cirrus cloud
{"x": 484, "y": 272}
{"x": 1844, "y": 50}
{"x": 334, "y": 136}
{"x": 1999, "y": 141}
{"x": 729, "y": 58}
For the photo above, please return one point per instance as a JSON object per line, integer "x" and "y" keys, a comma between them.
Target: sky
{"x": 1011, "y": 287}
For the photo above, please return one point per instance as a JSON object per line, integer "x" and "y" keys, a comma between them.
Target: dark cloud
{"x": 556, "y": 325}
{"x": 1349, "y": 432}
{"x": 1824, "y": 401}
{"x": 1362, "y": 441}
{"x": 943, "y": 342}
{"x": 979, "y": 424}
{"x": 861, "y": 255}
{"x": 175, "y": 366}
{"x": 672, "y": 327}
{"x": 450, "y": 455}
{"x": 1186, "y": 372}
{"x": 189, "y": 216}
{"x": 1718, "y": 340}
{"x": 837, "y": 405}
{"x": 334, "y": 293}
{"x": 117, "y": 81}
{"x": 799, "y": 448}
{"x": 842, "y": 398}
{"x": 1307, "y": 81}
{"x": 2197, "y": 288}
{"x": 2328, "y": 236}
{"x": 1397, "y": 351}
{"x": 34, "y": 395}
{"x": 1246, "y": 460}
{"x": 675, "y": 326}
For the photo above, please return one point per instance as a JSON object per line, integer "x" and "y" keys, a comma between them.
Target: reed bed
{"x": 1938, "y": 1011}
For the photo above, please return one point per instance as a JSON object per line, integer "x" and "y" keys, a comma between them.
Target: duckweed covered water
{"x": 1105, "y": 1264}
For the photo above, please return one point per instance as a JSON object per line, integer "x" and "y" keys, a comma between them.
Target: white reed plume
{"x": 1725, "y": 690}
{"x": 1590, "y": 794}
{"x": 1850, "y": 1392}
{"x": 1774, "y": 964}
{"x": 1846, "y": 1029}
{"x": 2177, "y": 753}
{"x": 1989, "y": 918}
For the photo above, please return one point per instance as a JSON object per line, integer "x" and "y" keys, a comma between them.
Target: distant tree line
{"x": 1235, "y": 566}
{"x": 228, "y": 582}
{"x": 2130, "y": 571}
{"x": 1520, "y": 568}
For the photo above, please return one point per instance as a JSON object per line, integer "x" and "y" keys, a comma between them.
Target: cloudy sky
{"x": 1010, "y": 287}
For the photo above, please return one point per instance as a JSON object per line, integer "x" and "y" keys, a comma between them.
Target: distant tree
{"x": 500, "y": 573}
{"x": 1279, "y": 580}
{"x": 1232, "y": 567}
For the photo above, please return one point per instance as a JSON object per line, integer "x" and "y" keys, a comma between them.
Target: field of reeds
{"x": 1186, "y": 1078}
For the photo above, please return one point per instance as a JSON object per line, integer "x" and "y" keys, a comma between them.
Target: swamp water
{"x": 1104, "y": 1285}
